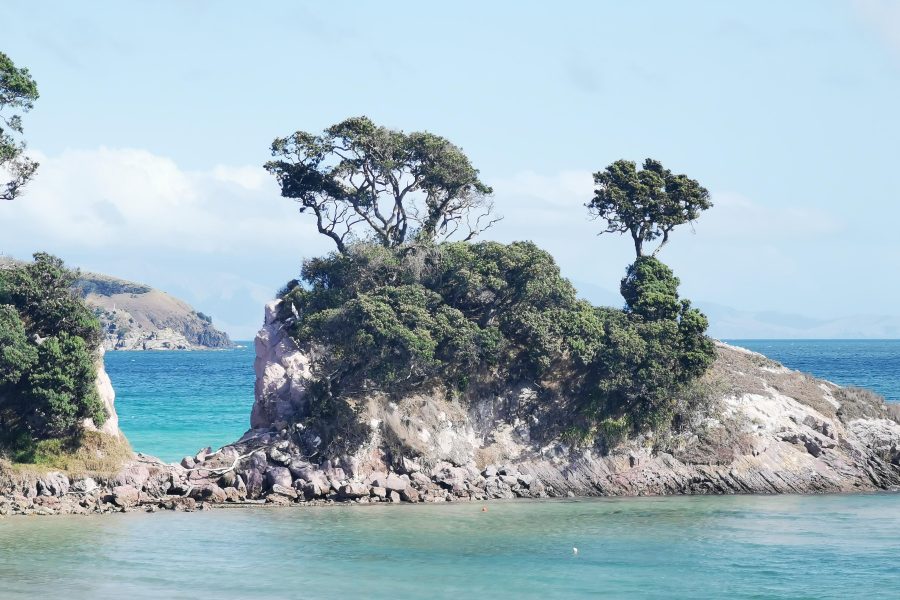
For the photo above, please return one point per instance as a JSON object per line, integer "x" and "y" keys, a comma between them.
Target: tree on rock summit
{"x": 648, "y": 203}
{"x": 361, "y": 180}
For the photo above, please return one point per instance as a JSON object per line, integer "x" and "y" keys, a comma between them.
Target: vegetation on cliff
{"x": 398, "y": 307}
{"x": 48, "y": 340}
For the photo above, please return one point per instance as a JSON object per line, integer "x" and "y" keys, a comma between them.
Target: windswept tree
{"x": 18, "y": 91}
{"x": 362, "y": 181}
{"x": 648, "y": 203}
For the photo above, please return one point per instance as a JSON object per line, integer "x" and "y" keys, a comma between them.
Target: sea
{"x": 173, "y": 403}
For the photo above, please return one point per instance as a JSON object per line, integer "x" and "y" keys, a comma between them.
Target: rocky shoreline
{"x": 766, "y": 430}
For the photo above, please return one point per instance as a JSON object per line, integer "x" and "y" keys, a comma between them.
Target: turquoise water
{"x": 171, "y": 404}
{"x": 716, "y": 547}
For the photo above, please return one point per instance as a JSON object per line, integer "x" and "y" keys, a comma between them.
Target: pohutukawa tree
{"x": 648, "y": 203}
{"x": 362, "y": 181}
{"x": 18, "y": 91}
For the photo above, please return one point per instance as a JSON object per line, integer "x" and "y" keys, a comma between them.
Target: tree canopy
{"x": 18, "y": 91}
{"x": 48, "y": 341}
{"x": 363, "y": 181}
{"x": 460, "y": 315}
{"x": 647, "y": 203}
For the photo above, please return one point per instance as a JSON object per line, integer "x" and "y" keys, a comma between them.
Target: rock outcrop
{"x": 767, "y": 429}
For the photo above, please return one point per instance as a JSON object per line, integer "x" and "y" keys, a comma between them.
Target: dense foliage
{"x": 648, "y": 203}
{"x": 47, "y": 362}
{"x": 18, "y": 91}
{"x": 456, "y": 314}
{"x": 365, "y": 182}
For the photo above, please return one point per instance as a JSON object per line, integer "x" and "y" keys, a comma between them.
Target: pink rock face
{"x": 281, "y": 373}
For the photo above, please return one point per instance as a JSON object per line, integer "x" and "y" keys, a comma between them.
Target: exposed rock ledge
{"x": 771, "y": 430}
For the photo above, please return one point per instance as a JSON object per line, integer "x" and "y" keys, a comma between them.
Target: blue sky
{"x": 154, "y": 119}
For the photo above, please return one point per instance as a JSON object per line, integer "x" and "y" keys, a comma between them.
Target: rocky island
{"x": 408, "y": 367}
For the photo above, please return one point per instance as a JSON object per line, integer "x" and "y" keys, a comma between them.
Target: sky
{"x": 155, "y": 118}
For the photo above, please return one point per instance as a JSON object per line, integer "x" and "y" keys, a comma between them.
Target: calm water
{"x": 720, "y": 547}
{"x": 735, "y": 547}
{"x": 173, "y": 403}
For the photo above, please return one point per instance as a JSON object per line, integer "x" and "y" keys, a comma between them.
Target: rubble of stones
{"x": 266, "y": 476}
{"x": 274, "y": 471}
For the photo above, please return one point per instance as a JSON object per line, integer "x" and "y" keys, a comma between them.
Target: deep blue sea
{"x": 172, "y": 403}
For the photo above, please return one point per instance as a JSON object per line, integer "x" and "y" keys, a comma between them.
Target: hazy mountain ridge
{"x": 727, "y": 323}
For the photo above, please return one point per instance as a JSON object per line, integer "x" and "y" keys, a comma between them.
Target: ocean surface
{"x": 172, "y": 403}
{"x": 702, "y": 547}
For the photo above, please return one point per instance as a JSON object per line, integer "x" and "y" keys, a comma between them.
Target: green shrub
{"x": 449, "y": 314}
{"x": 47, "y": 362}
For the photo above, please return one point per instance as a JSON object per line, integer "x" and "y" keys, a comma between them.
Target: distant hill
{"x": 137, "y": 317}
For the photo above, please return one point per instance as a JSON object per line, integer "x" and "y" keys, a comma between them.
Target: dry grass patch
{"x": 91, "y": 453}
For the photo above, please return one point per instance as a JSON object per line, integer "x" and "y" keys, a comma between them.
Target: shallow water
{"x": 170, "y": 404}
{"x": 689, "y": 547}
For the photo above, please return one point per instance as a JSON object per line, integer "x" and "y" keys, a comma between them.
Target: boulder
{"x": 125, "y": 496}
{"x": 134, "y": 475}
{"x": 227, "y": 479}
{"x": 278, "y": 500}
{"x": 353, "y": 490}
{"x": 279, "y": 456}
{"x": 284, "y": 491}
{"x": 409, "y": 495}
{"x": 279, "y": 476}
{"x": 209, "y": 493}
{"x": 409, "y": 465}
{"x": 395, "y": 482}
{"x": 53, "y": 484}
{"x": 394, "y": 496}
{"x": 84, "y": 486}
{"x": 255, "y": 482}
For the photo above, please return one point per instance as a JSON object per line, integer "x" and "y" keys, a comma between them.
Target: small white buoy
{"x": 575, "y": 551}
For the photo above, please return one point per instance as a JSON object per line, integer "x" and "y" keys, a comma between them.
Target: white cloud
{"x": 222, "y": 239}
{"x": 130, "y": 199}
{"x": 544, "y": 207}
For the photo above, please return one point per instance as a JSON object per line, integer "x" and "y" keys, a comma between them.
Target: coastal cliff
{"x": 765, "y": 429}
